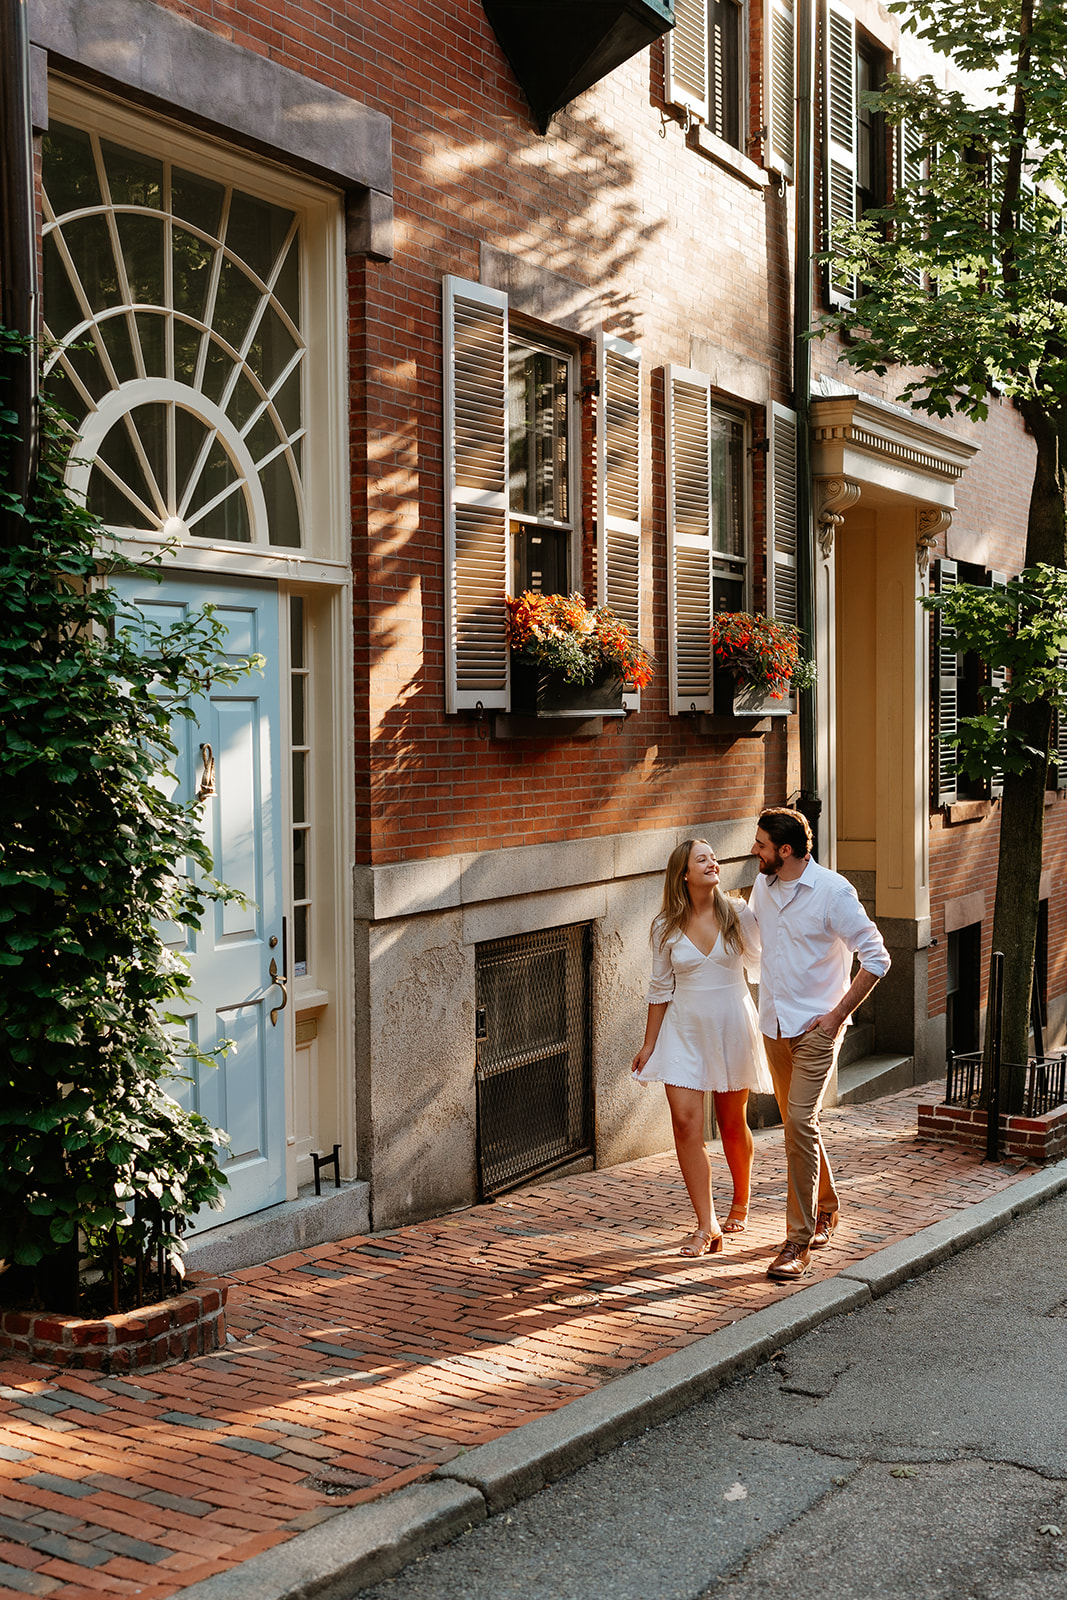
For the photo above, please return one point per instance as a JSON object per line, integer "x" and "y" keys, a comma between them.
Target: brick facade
{"x": 686, "y": 251}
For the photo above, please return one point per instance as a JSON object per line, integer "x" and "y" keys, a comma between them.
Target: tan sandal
{"x": 701, "y": 1242}
{"x": 737, "y": 1221}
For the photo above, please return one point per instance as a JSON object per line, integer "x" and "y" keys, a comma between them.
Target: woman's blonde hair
{"x": 675, "y": 911}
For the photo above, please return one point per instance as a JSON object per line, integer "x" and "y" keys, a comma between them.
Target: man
{"x": 811, "y": 923}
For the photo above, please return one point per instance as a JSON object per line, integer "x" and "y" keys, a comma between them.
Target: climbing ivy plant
{"x": 95, "y": 858}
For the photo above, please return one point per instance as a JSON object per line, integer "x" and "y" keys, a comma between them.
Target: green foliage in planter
{"x": 94, "y": 857}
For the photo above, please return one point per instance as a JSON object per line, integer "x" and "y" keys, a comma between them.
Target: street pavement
{"x": 380, "y": 1394}
{"x": 914, "y": 1449}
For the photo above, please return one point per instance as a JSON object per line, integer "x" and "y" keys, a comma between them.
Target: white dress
{"x": 710, "y": 1037}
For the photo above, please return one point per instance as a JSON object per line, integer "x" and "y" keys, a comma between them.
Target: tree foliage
{"x": 964, "y": 274}
{"x": 96, "y": 858}
{"x": 1020, "y": 632}
{"x": 962, "y": 281}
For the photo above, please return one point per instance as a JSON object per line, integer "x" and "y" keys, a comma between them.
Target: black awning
{"x": 557, "y": 48}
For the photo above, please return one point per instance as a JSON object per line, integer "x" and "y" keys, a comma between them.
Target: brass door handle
{"x": 207, "y": 781}
{"x": 282, "y": 983}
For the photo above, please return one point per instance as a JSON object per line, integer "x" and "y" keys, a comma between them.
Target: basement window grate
{"x": 534, "y": 1080}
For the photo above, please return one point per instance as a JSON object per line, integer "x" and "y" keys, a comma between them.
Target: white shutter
{"x": 909, "y": 172}
{"x": 689, "y": 557}
{"x": 779, "y": 86}
{"x": 782, "y": 516}
{"x": 477, "y": 552}
{"x": 998, "y": 678}
{"x": 618, "y": 574}
{"x": 839, "y": 134}
{"x": 1058, "y": 764}
{"x": 686, "y": 59}
{"x": 945, "y": 779}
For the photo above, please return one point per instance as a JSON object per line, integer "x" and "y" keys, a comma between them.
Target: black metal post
{"x": 996, "y": 1002}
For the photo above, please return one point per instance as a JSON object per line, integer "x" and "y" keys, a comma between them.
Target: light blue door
{"x": 240, "y": 950}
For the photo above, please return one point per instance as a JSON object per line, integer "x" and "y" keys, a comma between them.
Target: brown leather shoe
{"x": 825, "y": 1224}
{"x": 792, "y": 1261}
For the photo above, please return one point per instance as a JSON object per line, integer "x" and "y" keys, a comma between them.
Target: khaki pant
{"x": 800, "y": 1070}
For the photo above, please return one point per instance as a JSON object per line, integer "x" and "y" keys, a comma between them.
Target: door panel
{"x": 230, "y": 957}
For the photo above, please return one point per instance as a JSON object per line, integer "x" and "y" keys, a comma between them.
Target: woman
{"x": 703, "y": 1033}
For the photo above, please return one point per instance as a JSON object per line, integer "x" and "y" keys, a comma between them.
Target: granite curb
{"x": 367, "y": 1543}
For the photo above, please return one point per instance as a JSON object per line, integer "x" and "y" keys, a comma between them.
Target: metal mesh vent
{"x": 533, "y": 1072}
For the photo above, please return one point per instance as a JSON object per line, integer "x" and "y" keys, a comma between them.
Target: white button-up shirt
{"x": 810, "y": 927}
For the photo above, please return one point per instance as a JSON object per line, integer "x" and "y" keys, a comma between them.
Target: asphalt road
{"x": 915, "y": 1448}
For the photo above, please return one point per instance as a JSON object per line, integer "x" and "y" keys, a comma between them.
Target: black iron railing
{"x": 1035, "y": 1086}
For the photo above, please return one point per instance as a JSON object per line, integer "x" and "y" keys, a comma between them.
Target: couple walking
{"x": 797, "y": 937}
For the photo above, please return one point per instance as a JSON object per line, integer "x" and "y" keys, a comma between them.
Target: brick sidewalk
{"x": 356, "y": 1367}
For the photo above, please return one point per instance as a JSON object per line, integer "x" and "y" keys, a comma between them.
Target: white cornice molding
{"x": 851, "y": 429}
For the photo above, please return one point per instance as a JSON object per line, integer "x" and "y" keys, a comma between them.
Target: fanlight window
{"x": 174, "y": 301}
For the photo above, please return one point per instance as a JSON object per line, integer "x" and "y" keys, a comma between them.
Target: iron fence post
{"x": 996, "y": 998}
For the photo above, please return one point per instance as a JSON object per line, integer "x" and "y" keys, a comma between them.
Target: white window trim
{"x": 324, "y": 468}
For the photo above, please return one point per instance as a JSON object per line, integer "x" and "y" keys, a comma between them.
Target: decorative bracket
{"x": 930, "y": 521}
{"x": 835, "y": 497}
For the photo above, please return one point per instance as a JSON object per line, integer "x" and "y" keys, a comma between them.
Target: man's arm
{"x": 854, "y": 928}
{"x": 858, "y": 990}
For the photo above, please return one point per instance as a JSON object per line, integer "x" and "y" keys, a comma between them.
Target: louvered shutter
{"x": 1058, "y": 764}
{"x": 946, "y": 693}
{"x": 998, "y": 678}
{"x": 909, "y": 173}
{"x": 779, "y": 86}
{"x": 782, "y": 516}
{"x": 839, "y": 134}
{"x": 686, "y": 70}
{"x": 618, "y": 577}
{"x": 477, "y": 555}
{"x": 689, "y": 556}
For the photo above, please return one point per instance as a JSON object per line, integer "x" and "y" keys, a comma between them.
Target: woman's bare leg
{"x": 687, "y": 1122}
{"x": 737, "y": 1147}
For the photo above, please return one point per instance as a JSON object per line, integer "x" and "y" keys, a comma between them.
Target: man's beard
{"x": 770, "y": 868}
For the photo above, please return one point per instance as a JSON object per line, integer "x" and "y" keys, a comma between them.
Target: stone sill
{"x": 967, "y": 811}
{"x": 724, "y": 155}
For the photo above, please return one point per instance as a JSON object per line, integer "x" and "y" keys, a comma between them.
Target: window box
{"x": 537, "y": 693}
{"x": 733, "y": 697}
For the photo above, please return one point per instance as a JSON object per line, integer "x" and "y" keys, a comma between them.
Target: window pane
{"x": 272, "y": 348}
{"x": 89, "y": 243}
{"x": 191, "y": 266}
{"x": 298, "y": 710}
{"x": 727, "y": 498}
{"x": 724, "y": 82}
{"x": 229, "y": 519}
{"x": 134, "y": 180}
{"x": 296, "y": 637}
{"x": 256, "y": 231}
{"x": 63, "y": 310}
{"x": 300, "y": 941}
{"x": 538, "y": 414}
{"x": 152, "y": 334}
{"x": 70, "y": 169}
{"x": 299, "y": 793}
{"x": 198, "y": 200}
{"x": 282, "y": 507}
{"x": 116, "y": 336}
{"x": 300, "y": 877}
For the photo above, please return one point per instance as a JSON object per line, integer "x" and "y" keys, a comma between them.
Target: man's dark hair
{"x": 783, "y": 825}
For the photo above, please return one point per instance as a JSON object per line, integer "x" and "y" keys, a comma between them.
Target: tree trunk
{"x": 1022, "y": 811}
